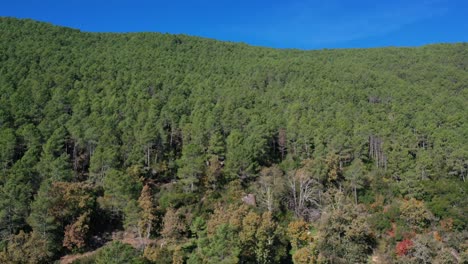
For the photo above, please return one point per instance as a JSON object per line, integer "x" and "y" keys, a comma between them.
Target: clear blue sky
{"x": 303, "y": 24}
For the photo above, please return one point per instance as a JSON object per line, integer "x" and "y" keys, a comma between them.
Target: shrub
{"x": 403, "y": 247}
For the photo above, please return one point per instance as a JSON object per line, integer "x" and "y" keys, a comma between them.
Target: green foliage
{"x": 240, "y": 159}
{"x": 380, "y": 222}
{"x": 15, "y": 195}
{"x": 118, "y": 253}
{"x": 120, "y": 188}
{"x": 88, "y": 119}
{"x": 221, "y": 248}
{"x": 176, "y": 199}
{"x": 54, "y": 163}
{"x": 7, "y": 147}
{"x": 191, "y": 166}
{"x": 448, "y": 199}
{"x": 42, "y": 221}
{"x": 355, "y": 177}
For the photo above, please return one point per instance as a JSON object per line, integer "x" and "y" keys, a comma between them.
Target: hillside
{"x": 345, "y": 153}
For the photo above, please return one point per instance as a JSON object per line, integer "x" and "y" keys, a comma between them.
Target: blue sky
{"x": 303, "y": 24}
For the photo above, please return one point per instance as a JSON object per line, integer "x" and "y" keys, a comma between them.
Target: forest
{"x": 160, "y": 148}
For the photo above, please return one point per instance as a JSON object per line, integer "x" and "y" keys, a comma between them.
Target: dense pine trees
{"x": 347, "y": 153}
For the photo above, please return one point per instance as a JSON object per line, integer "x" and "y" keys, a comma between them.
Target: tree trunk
{"x": 355, "y": 195}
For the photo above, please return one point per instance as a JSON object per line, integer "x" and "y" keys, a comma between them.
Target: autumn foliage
{"x": 403, "y": 247}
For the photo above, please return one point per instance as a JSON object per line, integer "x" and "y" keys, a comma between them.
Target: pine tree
{"x": 147, "y": 214}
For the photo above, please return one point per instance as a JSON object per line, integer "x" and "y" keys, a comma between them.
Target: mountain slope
{"x": 95, "y": 117}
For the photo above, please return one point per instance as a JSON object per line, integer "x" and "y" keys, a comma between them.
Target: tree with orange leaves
{"x": 147, "y": 213}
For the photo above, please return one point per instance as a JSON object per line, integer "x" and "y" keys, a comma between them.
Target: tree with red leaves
{"x": 403, "y": 247}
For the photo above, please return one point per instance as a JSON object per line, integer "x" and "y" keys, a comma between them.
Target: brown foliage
{"x": 147, "y": 214}
{"x": 415, "y": 213}
{"x": 304, "y": 256}
{"x": 333, "y": 164}
{"x": 232, "y": 215}
{"x": 247, "y": 234}
{"x": 157, "y": 254}
{"x": 75, "y": 234}
{"x": 299, "y": 234}
{"x": 173, "y": 226}
{"x": 282, "y": 141}
{"x": 447, "y": 224}
{"x": 26, "y": 248}
{"x": 71, "y": 198}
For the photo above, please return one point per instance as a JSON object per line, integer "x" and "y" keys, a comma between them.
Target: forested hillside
{"x": 213, "y": 152}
